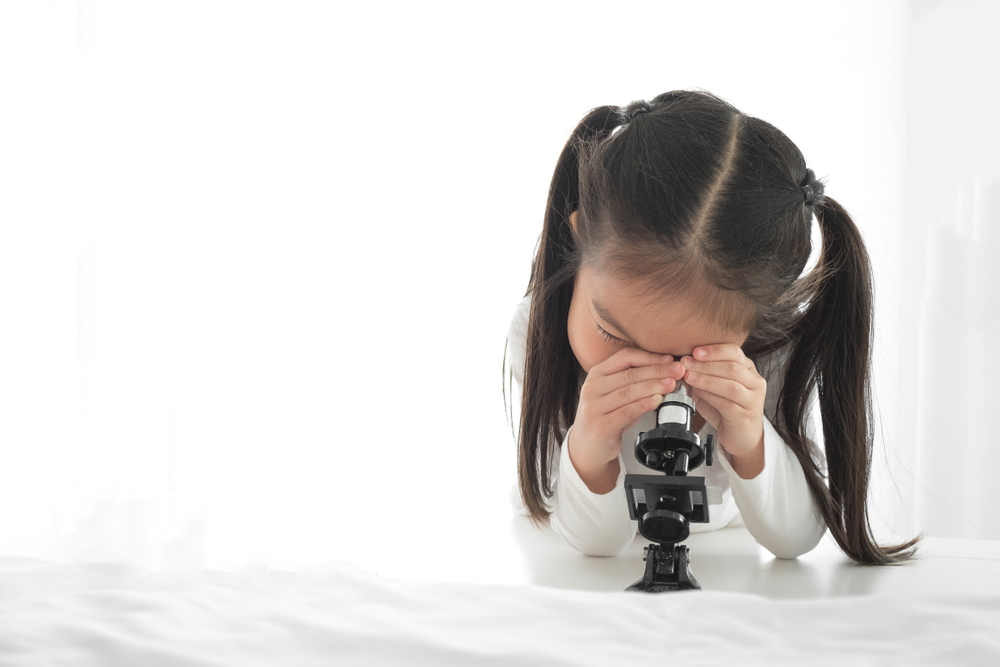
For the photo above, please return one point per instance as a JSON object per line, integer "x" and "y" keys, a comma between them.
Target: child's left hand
{"x": 729, "y": 393}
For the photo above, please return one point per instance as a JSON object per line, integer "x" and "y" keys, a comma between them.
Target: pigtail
{"x": 833, "y": 352}
{"x": 551, "y": 390}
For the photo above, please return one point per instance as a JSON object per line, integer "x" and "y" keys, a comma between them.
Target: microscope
{"x": 665, "y": 505}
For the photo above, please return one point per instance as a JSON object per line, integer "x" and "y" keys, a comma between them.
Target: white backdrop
{"x": 258, "y": 259}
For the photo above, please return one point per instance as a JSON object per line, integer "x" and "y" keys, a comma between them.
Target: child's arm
{"x": 591, "y": 511}
{"x": 776, "y": 505}
{"x": 594, "y": 524}
{"x": 766, "y": 478}
{"x": 767, "y": 481}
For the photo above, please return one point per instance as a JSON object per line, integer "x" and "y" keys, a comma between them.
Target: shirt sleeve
{"x": 595, "y": 524}
{"x": 777, "y": 506}
{"x": 514, "y": 380}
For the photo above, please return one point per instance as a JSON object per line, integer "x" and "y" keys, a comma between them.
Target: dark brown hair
{"x": 688, "y": 196}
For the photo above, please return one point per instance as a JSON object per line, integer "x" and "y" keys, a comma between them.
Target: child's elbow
{"x": 796, "y": 545}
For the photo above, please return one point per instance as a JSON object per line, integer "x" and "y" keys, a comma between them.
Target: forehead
{"x": 655, "y": 320}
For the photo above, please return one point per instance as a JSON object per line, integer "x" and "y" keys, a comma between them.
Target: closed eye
{"x": 608, "y": 337}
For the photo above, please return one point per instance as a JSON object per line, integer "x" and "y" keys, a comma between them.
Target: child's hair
{"x": 688, "y": 195}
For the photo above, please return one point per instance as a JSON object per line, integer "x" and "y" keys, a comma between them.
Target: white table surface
{"x": 724, "y": 560}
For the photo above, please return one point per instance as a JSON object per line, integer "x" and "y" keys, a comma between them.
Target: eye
{"x": 606, "y": 336}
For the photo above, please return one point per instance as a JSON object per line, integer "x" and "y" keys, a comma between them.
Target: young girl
{"x": 675, "y": 238}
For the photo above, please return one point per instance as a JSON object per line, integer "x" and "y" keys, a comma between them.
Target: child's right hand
{"x": 616, "y": 393}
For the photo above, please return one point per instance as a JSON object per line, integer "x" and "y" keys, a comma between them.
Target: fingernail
{"x": 668, "y": 358}
{"x": 688, "y": 361}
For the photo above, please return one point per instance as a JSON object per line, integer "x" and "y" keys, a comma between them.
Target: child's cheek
{"x": 583, "y": 350}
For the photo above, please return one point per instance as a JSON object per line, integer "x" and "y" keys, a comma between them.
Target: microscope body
{"x": 665, "y": 505}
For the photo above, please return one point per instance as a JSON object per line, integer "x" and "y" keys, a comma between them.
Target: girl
{"x": 675, "y": 238}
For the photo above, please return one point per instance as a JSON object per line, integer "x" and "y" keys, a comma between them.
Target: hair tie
{"x": 811, "y": 188}
{"x": 641, "y": 107}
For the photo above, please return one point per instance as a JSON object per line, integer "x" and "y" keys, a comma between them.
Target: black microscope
{"x": 666, "y": 505}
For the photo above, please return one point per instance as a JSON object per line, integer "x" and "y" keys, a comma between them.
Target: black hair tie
{"x": 641, "y": 106}
{"x": 811, "y": 188}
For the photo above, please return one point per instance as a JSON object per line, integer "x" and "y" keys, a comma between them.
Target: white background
{"x": 258, "y": 259}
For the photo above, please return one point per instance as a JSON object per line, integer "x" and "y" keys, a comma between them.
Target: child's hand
{"x": 616, "y": 393}
{"x": 729, "y": 393}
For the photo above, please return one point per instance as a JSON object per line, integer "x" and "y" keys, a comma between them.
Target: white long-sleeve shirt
{"x": 776, "y": 506}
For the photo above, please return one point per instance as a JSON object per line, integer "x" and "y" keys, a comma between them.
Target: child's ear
{"x": 572, "y": 221}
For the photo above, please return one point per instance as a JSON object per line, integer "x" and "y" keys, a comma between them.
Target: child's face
{"x": 650, "y": 322}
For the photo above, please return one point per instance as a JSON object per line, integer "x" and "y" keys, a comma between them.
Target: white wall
{"x": 258, "y": 260}
{"x": 950, "y": 326}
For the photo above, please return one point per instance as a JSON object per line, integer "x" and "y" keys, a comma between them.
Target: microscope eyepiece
{"x": 676, "y": 407}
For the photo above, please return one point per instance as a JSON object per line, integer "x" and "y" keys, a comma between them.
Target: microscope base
{"x": 667, "y": 569}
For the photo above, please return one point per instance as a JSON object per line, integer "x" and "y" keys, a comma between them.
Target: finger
{"x": 610, "y": 384}
{"x": 727, "y": 369}
{"x": 629, "y": 357}
{"x": 627, "y": 416}
{"x": 633, "y": 392}
{"x": 721, "y": 352}
{"x": 730, "y": 391}
{"x": 706, "y": 410}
